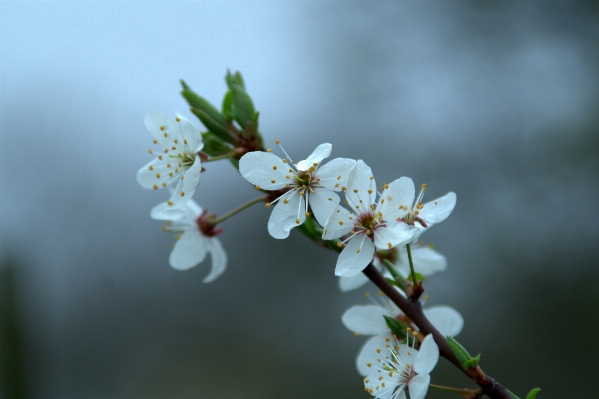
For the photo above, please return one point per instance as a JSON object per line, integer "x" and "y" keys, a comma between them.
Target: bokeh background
{"x": 497, "y": 101}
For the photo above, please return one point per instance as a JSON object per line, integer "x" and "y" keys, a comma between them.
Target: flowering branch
{"x": 413, "y": 310}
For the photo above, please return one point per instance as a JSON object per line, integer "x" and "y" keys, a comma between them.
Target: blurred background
{"x": 497, "y": 101}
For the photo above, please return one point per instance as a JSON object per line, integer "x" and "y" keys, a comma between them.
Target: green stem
{"x": 237, "y": 210}
{"x": 451, "y": 389}
{"x": 411, "y": 265}
{"x": 399, "y": 279}
{"x": 219, "y": 157}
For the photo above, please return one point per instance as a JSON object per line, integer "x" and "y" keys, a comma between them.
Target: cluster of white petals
{"x": 178, "y": 162}
{"x": 401, "y": 371}
{"x": 369, "y": 320}
{"x": 192, "y": 243}
{"x": 308, "y": 185}
{"x": 371, "y": 224}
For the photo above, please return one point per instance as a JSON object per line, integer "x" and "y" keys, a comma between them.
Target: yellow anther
{"x": 389, "y": 245}
{"x": 371, "y": 177}
{"x": 287, "y": 185}
{"x": 343, "y": 188}
{"x": 165, "y": 134}
{"x": 307, "y": 214}
{"x": 386, "y": 186}
{"x": 158, "y": 175}
{"x": 151, "y": 167}
{"x": 170, "y": 174}
{"x": 168, "y": 165}
{"x": 285, "y": 201}
{"x": 155, "y": 141}
{"x": 356, "y": 334}
{"x": 277, "y": 141}
{"x": 184, "y": 141}
{"x": 162, "y": 127}
{"x": 287, "y": 177}
{"x": 150, "y": 151}
{"x": 274, "y": 168}
{"x": 369, "y": 191}
{"x": 380, "y": 378}
{"x": 268, "y": 204}
{"x": 180, "y": 164}
{"x": 315, "y": 164}
{"x": 269, "y": 150}
{"x": 182, "y": 193}
{"x": 166, "y": 150}
{"x": 302, "y": 192}
{"x": 170, "y": 203}
{"x": 423, "y": 186}
{"x": 273, "y": 181}
{"x": 378, "y": 350}
{"x": 163, "y": 184}
{"x": 339, "y": 244}
{"x": 367, "y": 380}
{"x": 330, "y": 199}
{"x": 174, "y": 148}
{"x": 176, "y": 141}
{"x": 297, "y": 221}
{"x": 177, "y": 119}
{"x": 336, "y": 184}
{"x": 341, "y": 222}
{"x": 338, "y": 177}
{"x": 160, "y": 157}
{"x": 358, "y": 251}
{"x": 257, "y": 188}
{"x": 177, "y": 170}
{"x": 387, "y": 339}
{"x": 182, "y": 177}
{"x": 355, "y": 190}
{"x": 155, "y": 187}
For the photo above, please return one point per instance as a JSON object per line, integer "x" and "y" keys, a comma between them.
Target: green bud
{"x": 398, "y": 328}
{"x": 472, "y": 363}
{"x": 533, "y": 394}
{"x": 462, "y": 354}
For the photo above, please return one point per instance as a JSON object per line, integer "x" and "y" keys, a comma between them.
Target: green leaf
{"x": 533, "y": 394}
{"x": 242, "y": 106}
{"x": 398, "y": 328}
{"x": 399, "y": 280}
{"x": 459, "y": 351}
{"x": 227, "y": 106}
{"x": 199, "y": 102}
{"x": 472, "y": 363}
{"x": 392, "y": 281}
{"x": 219, "y": 130}
{"x": 213, "y": 145}
{"x": 184, "y": 85}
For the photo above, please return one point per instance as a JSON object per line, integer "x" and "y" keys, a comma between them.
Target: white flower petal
{"x": 192, "y": 138}
{"x": 396, "y": 233}
{"x": 283, "y": 217}
{"x": 445, "y": 319}
{"x": 400, "y": 193}
{"x": 438, "y": 210}
{"x": 351, "y": 283}
{"x": 369, "y": 354}
{"x": 361, "y": 185}
{"x": 219, "y": 259}
{"x": 261, "y": 168}
{"x": 355, "y": 256}
{"x": 158, "y": 124}
{"x": 366, "y": 320}
{"x": 323, "y": 203}
{"x": 418, "y": 386}
{"x": 334, "y": 174}
{"x": 321, "y": 152}
{"x": 155, "y": 173}
{"x": 406, "y": 353}
{"x": 427, "y": 356}
{"x": 340, "y": 223}
{"x": 189, "y": 250}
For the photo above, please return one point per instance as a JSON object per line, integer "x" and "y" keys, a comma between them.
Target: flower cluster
{"x": 376, "y": 230}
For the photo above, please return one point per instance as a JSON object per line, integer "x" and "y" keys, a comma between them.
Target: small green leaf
{"x": 213, "y": 145}
{"x": 199, "y": 102}
{"x": 472, "y": 363}
{"x": 398, "y": 328}
{"x": 459, "y": 351}
{"x": 400, "y": 281}
{"x": 219, "y": 130}
{"x": 227, "y": 106}
{"x": 533, "y": 394}
{"x": 391, "y": 281}
{"x": 184, "y": 85}
{"x": 243, "y": 106}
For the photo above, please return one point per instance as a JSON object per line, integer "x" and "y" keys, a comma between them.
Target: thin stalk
{"x": 219, "y": 157}
{"x": 451, "y": 389}
{"x": 237, "y": 210}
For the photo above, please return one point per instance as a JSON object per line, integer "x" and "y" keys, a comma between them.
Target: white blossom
{"x": 308, "y": 185}
{"x": 423, "y": 216}
{"x": 197, "y": 237}
{"x": 400, "y": 368}
{"x": 178, "y": 162}
{"x": 370, "y": 224}
{"x": 369, "y": 320}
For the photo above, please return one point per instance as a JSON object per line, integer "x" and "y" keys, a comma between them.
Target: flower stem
{"x": 237, "y": 210}
{"x": 451, "y": 389}
{"x": 411, "y": 265}
{"x": 219, "y": 157}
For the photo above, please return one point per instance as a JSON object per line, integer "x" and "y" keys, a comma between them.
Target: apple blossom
{"x": 309, "y": 185}
{"x": 197, "y": 237}
{"x": 402, "y": 368}
{"x": 370, "y": 224}
{"x": 179, "y": 162}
